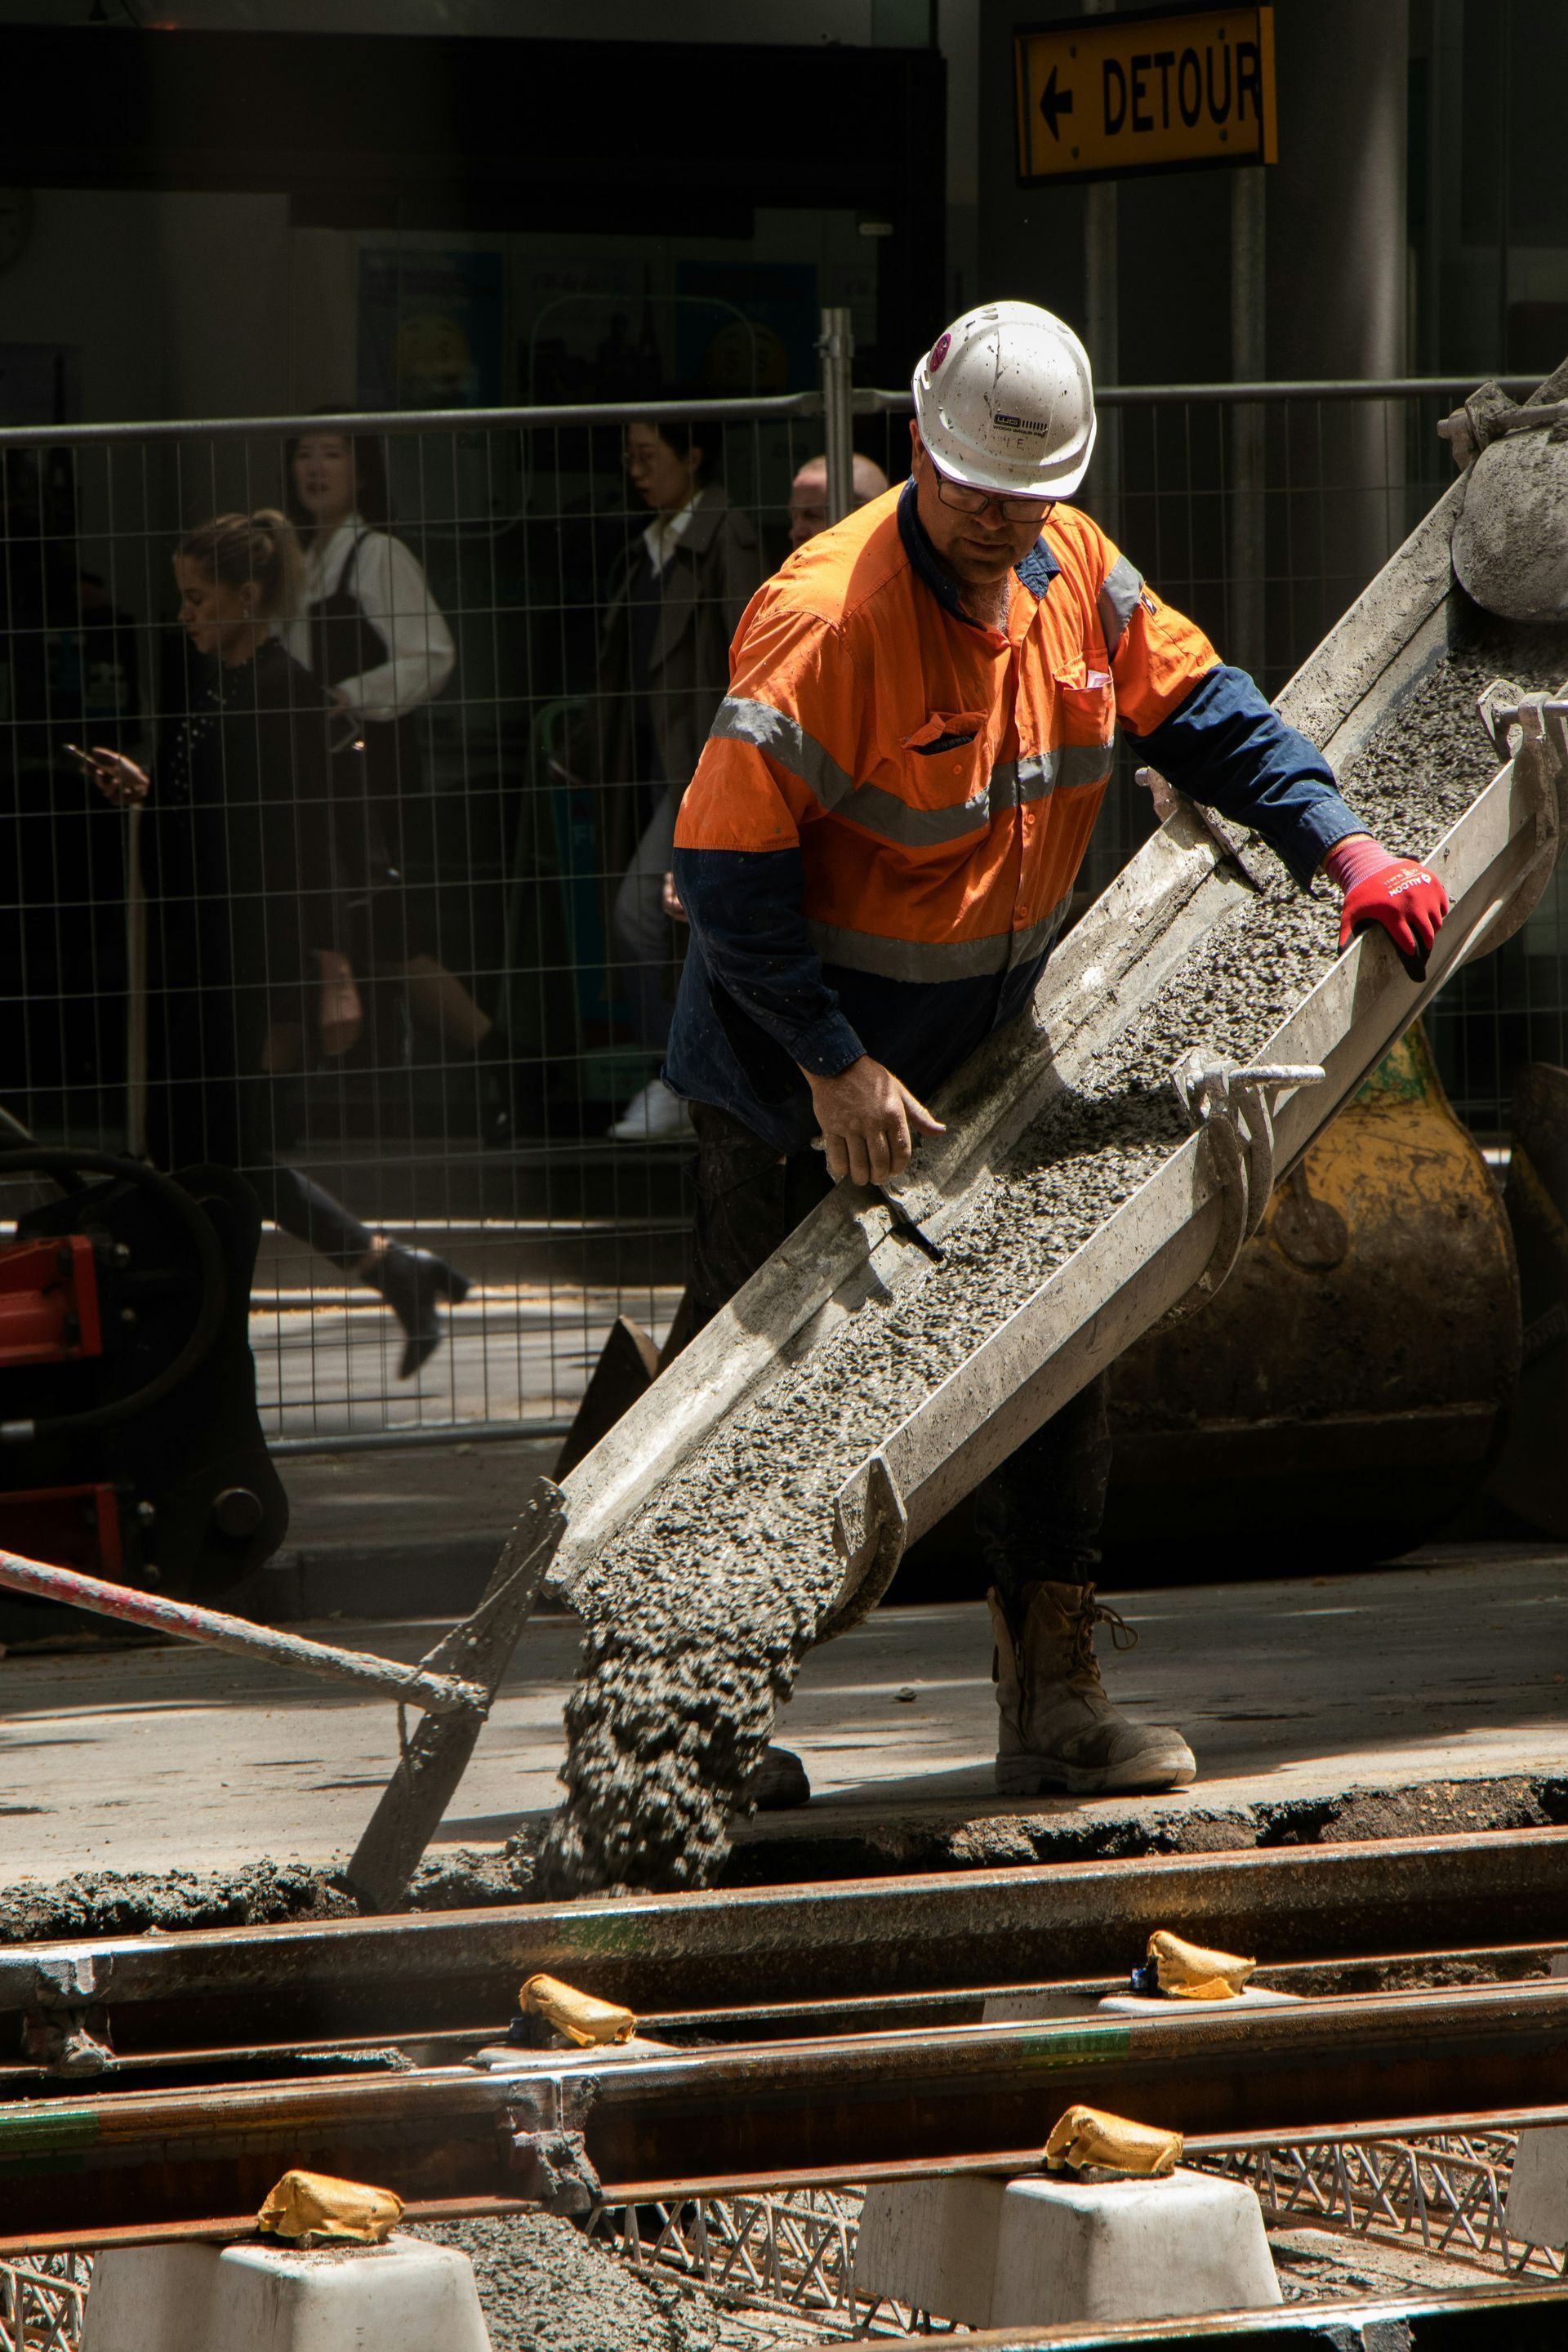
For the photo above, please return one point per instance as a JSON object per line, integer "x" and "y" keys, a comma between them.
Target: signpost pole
{"x": 837, "y": 345}
{"x": 1248, "y": 549}
{"x": 1102, "y": 321}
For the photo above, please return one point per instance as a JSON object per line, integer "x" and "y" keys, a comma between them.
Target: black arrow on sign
{"x": 1054, "y": 102}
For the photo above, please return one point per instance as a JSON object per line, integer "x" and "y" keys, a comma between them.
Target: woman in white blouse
{"x": 373, "y": 635}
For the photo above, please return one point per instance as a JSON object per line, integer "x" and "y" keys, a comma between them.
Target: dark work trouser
{"x": 1038, "y": 1516}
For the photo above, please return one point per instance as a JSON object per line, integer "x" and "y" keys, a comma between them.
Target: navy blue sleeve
{"x": 1228, "y": 746}
{"x": 744, "y": 907}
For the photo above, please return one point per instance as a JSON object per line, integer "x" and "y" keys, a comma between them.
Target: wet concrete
{"x": 544, "y": 2287}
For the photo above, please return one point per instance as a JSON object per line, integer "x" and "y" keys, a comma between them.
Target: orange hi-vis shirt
{"x": 940, "y": 779}
{"x": 880, "y": 843}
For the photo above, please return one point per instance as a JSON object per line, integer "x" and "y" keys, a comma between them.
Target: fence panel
{"x": 472, "y": 822}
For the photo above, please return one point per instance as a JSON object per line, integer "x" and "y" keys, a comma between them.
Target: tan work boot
{"x": 1058, "y": 1729}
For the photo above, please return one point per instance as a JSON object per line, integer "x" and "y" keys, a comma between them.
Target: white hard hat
{"x": 1004, "y": 402}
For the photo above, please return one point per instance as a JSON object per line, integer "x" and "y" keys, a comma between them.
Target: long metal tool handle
{"x": 436, "y": 1693}
{"x": 135, "y": 988}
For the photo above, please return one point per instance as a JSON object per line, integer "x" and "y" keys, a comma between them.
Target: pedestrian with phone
{"x": 248, "y": 900}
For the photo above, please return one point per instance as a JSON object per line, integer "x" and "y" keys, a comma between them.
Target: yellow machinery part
{"x": 1355, "y": 1372}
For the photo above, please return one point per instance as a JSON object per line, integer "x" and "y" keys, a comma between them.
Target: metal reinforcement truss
{"x": 41, "y": 2301}
{"x": 792, "y": 2256}
{"x": 1447, "y": 2194}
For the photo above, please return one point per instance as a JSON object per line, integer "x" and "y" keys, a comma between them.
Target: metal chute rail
{"x": 1175, "y": 1241}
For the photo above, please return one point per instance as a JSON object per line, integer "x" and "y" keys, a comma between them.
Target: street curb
{"x": 444, "y": 1579}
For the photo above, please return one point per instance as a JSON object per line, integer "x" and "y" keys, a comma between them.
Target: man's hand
{"x": 1404, "y": 901}
{"x": 672, "y": 901}
{"x": 341, "y": 1016}
{"x": 868, "y": 1121}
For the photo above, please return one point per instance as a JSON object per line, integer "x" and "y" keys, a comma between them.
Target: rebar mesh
{"x": 41, "y": 2302}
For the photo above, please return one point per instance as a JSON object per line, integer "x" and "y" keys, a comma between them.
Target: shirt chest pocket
{"x": 945, "y": 761}
{"x": 1086, "y": 709}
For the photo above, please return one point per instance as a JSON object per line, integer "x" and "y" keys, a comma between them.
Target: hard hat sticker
{"x": 940, "y": 351}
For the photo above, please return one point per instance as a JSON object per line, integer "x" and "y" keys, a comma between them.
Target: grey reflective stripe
{"x": 1119, "y": 601}
{"x": 1011, "y": 782}
{"x": 1014, "y": 783}
{"x": 918, "y": 828}
{"x": 1082, "y": 763}
{"x": 1064, "y": 769}
{"x": 934, "y": 959}
{"x": 784, "y": 739}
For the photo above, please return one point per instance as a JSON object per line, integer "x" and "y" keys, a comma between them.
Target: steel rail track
{"x": 866, "y": 1946}
{"x": 840, "y": 2108}
{"x": 88, "y": 2238}
{"x": 192, "y": 2065}
{"x": 1201, "y": 2147}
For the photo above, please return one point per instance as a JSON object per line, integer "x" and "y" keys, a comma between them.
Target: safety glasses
{"x": 965, "y": 501}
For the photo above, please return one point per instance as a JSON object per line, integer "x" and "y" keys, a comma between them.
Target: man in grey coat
{"x": 663, "y": 671}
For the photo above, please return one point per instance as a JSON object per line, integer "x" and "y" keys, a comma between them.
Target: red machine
{"x": 50, "y": 1315}
{"x": 130, "y": 1444}
{"x": 48, "y": 1301}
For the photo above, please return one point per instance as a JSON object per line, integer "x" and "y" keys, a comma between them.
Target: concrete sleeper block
{"x": 1125, "y": 2250}
{"x": 931, "y": 2243}
{"x": 403, "y": 2297}
{"x": 1164, "y": 2006}
{"x": 1538, "y": 2191}
{"x": 993, "y": 2253}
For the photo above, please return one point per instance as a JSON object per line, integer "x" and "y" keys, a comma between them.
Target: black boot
{"x": 413, "y": 1282}
{"x": 449, "y": 1285}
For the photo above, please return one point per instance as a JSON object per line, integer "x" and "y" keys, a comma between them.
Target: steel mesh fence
{"x": 460, "y": 791}
{"x": 461, "y": 826}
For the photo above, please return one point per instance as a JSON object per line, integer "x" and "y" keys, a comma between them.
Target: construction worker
{"x": 808, "y": 494}
{"x": 877, "y": 852}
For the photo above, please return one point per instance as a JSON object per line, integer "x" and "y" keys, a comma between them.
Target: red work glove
{"x": 1407, "y": 900}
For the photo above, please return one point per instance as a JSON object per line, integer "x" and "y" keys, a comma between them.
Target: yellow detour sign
{"x": 1102, "y": 96}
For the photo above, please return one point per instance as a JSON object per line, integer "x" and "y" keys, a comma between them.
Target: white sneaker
{"x": 652, "y": 1116}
